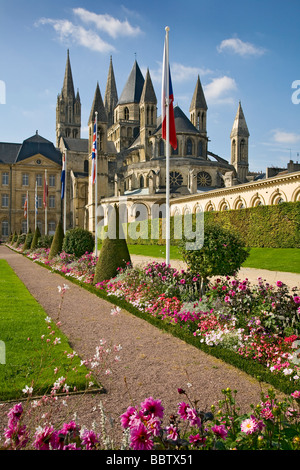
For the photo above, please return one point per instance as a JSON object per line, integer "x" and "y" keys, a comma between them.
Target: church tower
{"x": 68, "y": 108}
{"x": 198, "y": 109}
{"x": 148, "y": 117}
{"x": 102, "y": 158}
{"x": 239, "y": 145}
{"x": 111, "y": 95}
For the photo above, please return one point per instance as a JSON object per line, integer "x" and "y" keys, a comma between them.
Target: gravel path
{"x": 153, "y": 363}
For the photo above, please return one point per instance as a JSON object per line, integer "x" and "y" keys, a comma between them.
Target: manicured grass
{"x": 273, "y": 259}
{"x": 28, "y": 359}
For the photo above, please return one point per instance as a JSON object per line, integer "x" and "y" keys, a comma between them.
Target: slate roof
{"x": 198, "y": 100}
{"x": 98, "y": 106}
{"x": 182, "y": 123}
{"x": 76, "y": 145}
{"x": 134, "y": 86}
{"x": 37, "y": 144}
{"x": 8, "y": 152}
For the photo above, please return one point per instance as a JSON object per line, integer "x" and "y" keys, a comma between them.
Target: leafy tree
{"x": 222, "y": 254}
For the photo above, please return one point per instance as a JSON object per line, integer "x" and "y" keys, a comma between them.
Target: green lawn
{"x": 26, "y": 359}
{"x": 273, "y": 259}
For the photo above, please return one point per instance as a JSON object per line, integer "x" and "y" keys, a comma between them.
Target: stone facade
{"x": 132, "y": 161}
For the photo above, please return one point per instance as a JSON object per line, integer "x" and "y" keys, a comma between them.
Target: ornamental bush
{"x": 222, "y": 254}
{"x": 57, "y": 242}
{"x": 36, "y": 236}
{"x": 78, "y": 241}
{"x": 28, "y": 240}
{"x": 114, "y": 253}
{"x": 45, "y": 241}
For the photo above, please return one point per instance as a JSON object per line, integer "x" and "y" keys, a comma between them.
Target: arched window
{"x": 189, "y": 147}
{"x": 161, "y": 148}
{"x": 200, "y": 149}
{"x": 126, "y": 114}
{"x": 233, "y": 150}
{"x": 86, "y": 166}
{"x": 142, "y": 182}
{"x": 242, "y": 150}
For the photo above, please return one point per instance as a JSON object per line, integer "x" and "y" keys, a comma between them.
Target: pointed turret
{"x": 68, "y": 86}
{"x": 68, "y": 108}
{"x": 240, "y": 126}
{"x": 148, "y": 94}
{"x": 134, "y": 86}
{"x": 198, "y": 100}
{"x": 198, "y": 108}
{"x": 99, "y": 107}
{"x": 111, "y": 94}
{"x": 239, "y": 145}
{"x": 148, "y": 116}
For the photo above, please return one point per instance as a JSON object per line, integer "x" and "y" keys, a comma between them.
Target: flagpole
{"x": 96, "y": 186}
{"x": 27, "y": 213}
{"x": 35, "y": 207}
{"x": 167, "y": 151}
{"x": 65, "y": 195}
{"x": 46, "y": 203}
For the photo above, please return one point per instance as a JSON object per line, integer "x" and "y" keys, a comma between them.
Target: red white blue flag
{"x": 172, "y": 129}
{"x": 94, "y": 154}
{"x": 25, "y": 206}
{"x": 63, "y": 176}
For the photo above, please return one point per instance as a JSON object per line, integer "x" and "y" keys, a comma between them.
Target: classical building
{"x": 132, "y": 161}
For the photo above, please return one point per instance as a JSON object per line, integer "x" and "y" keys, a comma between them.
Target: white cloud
{"x": 218, "y": 90}
{"x": 110, "y": 25}
{"x": 237, "y": 46}
{"x": 282, "y": 137}
{"x": 180, "y": 73}
{"x": 66, "y": 30}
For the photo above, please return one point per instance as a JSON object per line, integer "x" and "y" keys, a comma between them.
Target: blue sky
{"x": 243, "y": 51}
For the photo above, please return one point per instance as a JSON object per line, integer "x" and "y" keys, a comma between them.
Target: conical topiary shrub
{"x": 114, "y": 253}
{"x": 36, "y": 236}
{"x": 57, "y": 242}
{"x": 28, "y": 240}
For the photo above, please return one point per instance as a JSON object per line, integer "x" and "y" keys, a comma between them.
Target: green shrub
{"x": 114, "y": 253}
{"x": 57, "y": 242}
{"x": 28, "y": 240}
{"x": 36, "y": 236}
{"x": 45, "y": 241}
{"x": 78, "y": 241}
{"x": 21, "y": 239}
{"x": 222, "y": 254}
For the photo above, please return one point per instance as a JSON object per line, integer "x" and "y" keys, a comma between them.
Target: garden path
{"x": 153, "y": 362}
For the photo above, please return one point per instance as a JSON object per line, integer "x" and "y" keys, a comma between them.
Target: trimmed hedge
{"x": 78, "y": 241}
{"x": 275, "y": 226}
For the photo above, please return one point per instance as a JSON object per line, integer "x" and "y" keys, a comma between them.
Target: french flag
{"x": 63, "y": 176}
{"x": 94, "y": 154}
{"x": 172, "y": 130}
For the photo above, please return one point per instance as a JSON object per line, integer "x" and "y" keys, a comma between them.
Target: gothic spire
{"x": 68, "y": 86}
{"x": 98, "y": 106}
{"x": 240, "y": 126}
{"x": 133, "y": 87}
{"x": 198, "y": 100}
{"x": 111, "y": 94}
{"x": 148, "y": 93}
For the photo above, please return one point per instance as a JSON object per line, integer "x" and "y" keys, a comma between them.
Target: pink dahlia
{"x": 140, "y": 438}
{"x": 183, "y": 410}
{"x": 153, "y": 407}
{"x": 46, "y": 437}
{"x": 251, "y": 425}
{"x": 220, "y": 431}
{"x": 172, "y": 432}
{"x": 197, "y": 440}
{"x": 89, "y": 439}
{"x": 127, "y": 416}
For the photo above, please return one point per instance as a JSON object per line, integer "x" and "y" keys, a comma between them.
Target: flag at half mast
{"x": 94, "y": 154}
{"x": 164, "y": 107}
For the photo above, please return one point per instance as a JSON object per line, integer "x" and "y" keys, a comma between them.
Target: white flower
{"x": 27, "y": 390}
{"x": 287, "y": 371}
{"x": 48, "y": 320}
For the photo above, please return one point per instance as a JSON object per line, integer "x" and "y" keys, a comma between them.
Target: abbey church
{"x": 131, "y": 161}
{"x": 131, "y": 151}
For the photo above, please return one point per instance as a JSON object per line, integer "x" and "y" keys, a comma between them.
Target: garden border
{"x": 257, "y": 371}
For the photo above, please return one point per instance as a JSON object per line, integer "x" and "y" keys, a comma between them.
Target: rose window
{"x": 176, "y": 179}
{"x": 203, "y": 179}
